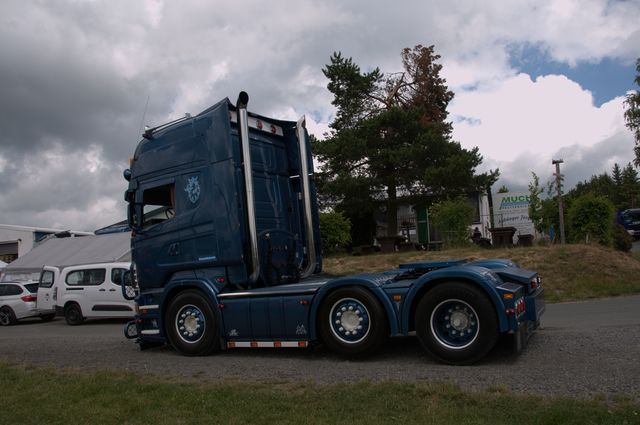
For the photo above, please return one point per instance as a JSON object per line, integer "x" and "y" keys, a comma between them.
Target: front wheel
{"x": 456, "y": 323}
{"x": 191, "y": 325}
{"x": 7, "y": 316}
{"x": 351, "y": 321}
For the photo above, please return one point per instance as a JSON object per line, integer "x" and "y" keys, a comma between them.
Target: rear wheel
{"x": 456, "y": 323}
{"x": 191, "y": 325}
{"x": 73, "y": 314}
{"x": 7, "y": 316}
{"x": 351, "y": 321}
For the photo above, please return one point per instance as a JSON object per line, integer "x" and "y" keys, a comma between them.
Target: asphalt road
{"x": 583, "y": 348}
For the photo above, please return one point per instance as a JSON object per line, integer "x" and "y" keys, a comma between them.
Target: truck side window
{"x": 158, "y": 204}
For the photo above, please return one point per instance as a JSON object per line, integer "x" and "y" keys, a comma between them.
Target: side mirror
{"x": 129, "y": 292}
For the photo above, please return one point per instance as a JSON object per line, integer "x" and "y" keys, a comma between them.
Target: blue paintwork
{"x": 204, "y": 245}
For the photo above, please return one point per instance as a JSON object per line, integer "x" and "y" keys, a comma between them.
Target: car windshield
{"x": 20, "y": 276}
{"x": 32, "y": 287}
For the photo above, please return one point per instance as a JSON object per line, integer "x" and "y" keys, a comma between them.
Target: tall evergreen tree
{"x": 630, "y": 188}
{"x": 390, "y": 136}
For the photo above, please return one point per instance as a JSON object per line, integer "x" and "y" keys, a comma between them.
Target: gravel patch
{"x": 562, "y": 360}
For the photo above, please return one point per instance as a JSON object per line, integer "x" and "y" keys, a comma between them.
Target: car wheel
{"x": 352, "y": 322}
{"x": 191, "y": 325}
{"x": 456, "y": 323}
{"x": 48, "y": 317}
{"x": 7, "y": 316}
{"x": 73, "y": 314}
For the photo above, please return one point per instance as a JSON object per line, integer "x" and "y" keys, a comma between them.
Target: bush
{"x": 453, "y": 218}
{"x": 622, "y": 240}
{"x": 335, "y": 230}
{"x": 591, "y": 219}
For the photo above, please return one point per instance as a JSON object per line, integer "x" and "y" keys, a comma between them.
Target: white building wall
{"x": 25, "y": 237}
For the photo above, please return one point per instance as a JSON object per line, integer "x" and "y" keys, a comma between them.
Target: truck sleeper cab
{"x": 226, "y": 254}
{"x": 83, "y": 292}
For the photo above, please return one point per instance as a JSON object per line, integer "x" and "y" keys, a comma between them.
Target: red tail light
{"x": 29, "y": 298}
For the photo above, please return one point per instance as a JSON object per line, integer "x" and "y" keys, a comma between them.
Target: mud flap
{"x": 520, "y": 338}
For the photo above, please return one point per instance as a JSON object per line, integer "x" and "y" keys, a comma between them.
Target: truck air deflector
{"x": 306, "y": 199}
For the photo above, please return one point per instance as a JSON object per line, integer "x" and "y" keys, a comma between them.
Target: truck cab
{"x": 226, "y": 254}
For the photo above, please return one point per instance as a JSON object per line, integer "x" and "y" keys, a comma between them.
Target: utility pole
{"x": 557, "y": 163}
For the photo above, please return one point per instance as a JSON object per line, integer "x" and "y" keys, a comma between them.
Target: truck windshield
{"x": 631, "y": 216}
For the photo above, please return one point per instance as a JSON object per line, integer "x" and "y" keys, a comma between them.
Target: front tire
{"x": 7, "y": 316}
{"x": 456, "y": 323}
{"x": 191, "y": 325}
{"x": 73, "y": 315}
{"x": 352, "y": 322}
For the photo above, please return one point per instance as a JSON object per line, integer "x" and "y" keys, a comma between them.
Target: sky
{"x": 534, "y": 80}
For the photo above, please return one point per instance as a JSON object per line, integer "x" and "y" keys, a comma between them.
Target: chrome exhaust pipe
{"x": 306, "y": 200}
{"x": 243, "y": 128}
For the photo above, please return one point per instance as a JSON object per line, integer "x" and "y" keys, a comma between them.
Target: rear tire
{"x": 456, "y": 323}
{"x": 352, "y": 322}
{"x": 7, "y": 316}
{"x": 73, "y": 314}
{"x": 191, "y": 324}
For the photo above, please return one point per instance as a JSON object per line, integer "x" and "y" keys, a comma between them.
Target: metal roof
{"x": 62, "y": 252}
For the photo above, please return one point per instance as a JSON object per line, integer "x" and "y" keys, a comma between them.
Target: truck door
{"x": 157, "y": 244}
{"x": 47, "y": 289}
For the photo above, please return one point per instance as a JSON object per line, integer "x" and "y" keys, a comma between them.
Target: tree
{"x": 335, "y": 231}
{"x": 591, "y": 219}
{"x": 453, "y": 218}
{"x": 390, "y": 137}
{"x": 542, "y": 212}
{"x": 503, "y": 189}
{"x": 632, "y": 114}
{"x": 622, "y": 188}
{"x": 630, "y": 186}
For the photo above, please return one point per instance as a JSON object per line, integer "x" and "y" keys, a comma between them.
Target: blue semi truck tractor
{"x": 226, "y": 254}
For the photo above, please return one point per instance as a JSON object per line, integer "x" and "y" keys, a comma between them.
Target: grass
{"x": 569, "y": 273}
{"x": 43, "y": 396}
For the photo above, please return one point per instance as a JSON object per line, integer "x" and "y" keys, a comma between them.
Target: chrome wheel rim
{"x": 190, "y": 324}
{"x": 454, "y": 324}
{"x": 349, "y": 321}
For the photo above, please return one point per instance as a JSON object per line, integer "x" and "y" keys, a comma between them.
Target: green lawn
{"x": 42, "y": 396}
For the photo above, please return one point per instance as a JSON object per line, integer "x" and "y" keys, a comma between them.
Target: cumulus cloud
{"x": 77, "y": 78}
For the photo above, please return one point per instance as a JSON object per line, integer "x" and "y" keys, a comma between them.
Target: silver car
{"x": 18, "y": 301}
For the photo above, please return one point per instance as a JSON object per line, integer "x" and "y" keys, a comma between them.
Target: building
{"x": 15, "y": 241}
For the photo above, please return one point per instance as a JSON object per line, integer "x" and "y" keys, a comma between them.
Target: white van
{"x": 84, "y": 292}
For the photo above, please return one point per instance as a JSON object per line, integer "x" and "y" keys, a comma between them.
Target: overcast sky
{"x": 533, "y": 80}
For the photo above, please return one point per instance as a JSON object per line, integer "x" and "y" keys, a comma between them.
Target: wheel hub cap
{"x": 349, "y": 321}
{"x": 190, "y": 324}
{"x": 454, "y": 324}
